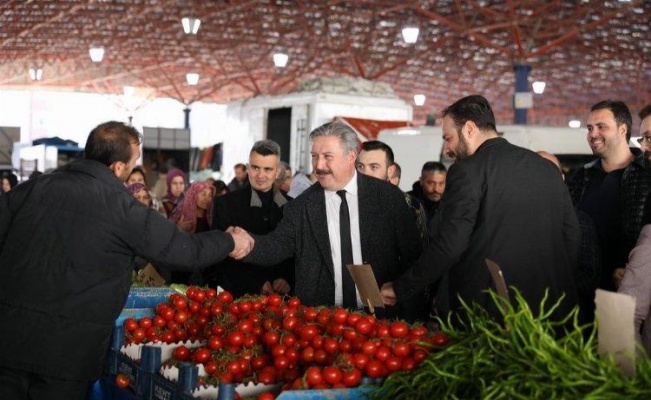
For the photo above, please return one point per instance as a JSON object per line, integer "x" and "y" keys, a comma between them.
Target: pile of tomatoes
{"x": 268, "y": 339}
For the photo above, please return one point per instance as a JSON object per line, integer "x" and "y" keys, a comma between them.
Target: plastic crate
{"x": 326, "y": 394}
{"x": 135, "y": 313}
{"x": 130, "y": 369}
{"x": 147, "y": 297}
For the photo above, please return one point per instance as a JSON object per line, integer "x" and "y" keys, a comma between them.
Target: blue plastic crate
{"x": 326, "y": 394}
{"x": 132, "y": 370}
{"x": 147, "y": 297}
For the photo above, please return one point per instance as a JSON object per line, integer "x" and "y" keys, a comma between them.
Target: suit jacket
{"x": 389, "y": 238}
{"x": 238, "y": 209}
{"x": 509, "y": 205}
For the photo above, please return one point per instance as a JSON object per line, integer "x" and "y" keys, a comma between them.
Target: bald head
{"x": 552, "y": 158}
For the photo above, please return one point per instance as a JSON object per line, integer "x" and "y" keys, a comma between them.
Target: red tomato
{"x": 382, "y": 353}
{"x": 310, "y": 314}
{"x": 292, "y": 354}
{"x": 374, "y": 369}
{"x": 167, "y": 314}
{"x": 393, "y": 364}
{"x": 159, "y": 321}
{"x": 245, "y": 325}
{"x": 194, "y": 308}
{"x": 210, "y": 367}
{"x": 360, "y": 360}
{"x": 130, "y": 325}
{"x": 211, "y": 293}
{"x": 352, "y": 378}
{"x": 270, "y": 339}
{"x": 190, "y": 292}
{"x": 364, "y": 326}
{"x": 200, "y": 296}
{"x": 353, "y": 318}
{"x": 401, "y": 349}
{"x": 215, "y": 343}
{"x": 216, "y": 309}
{"x": 201, "y": 355}
{"x": 313, "y": 376}
{"x": 345, "y": 346}
{"x": 182, "y": 353}
{"x": 266, "y": 378}
{"x": 408, "y": 364}
{"x": 340, "y": 316}
{"x": 419, "y": 355}
{"x": 145, "y": 323}
{"x": 168, "y": 337}
{"x": 290, "y": 323}
{"x": 331, "y": 375}
{"x": 122, "y": 381}
{"x": 266, "y": 396}
{"x": 307, "y": 355}
{"x": 138, "y": 335}
{"x": 235, "y": 339}
{"x": 274, "y": 300}
{"x": 320, "y": 356}
{"x": 281, "y": 363}
{"x": 369, "y": 347}
{"x": 330, "y": 345}
{"x": 180, "y": 317}
{"x": 323, "y": 317}
{"x": 349, "y": 334}
{"x": 234, "y": 309}
{"x": 317, "y": 342}
{"x": 259, "y": 362}
{"x": 309, "y": 331}
{"x": 278, "y": 350}
{"x": 180, "y": 303}
{"x": 399, "y": 329}
{"x": 249, "y": 341}
{"x": 289, "y": 339}
{"x": 225, "y": 297}
{"x": 440, "y": 339}
{"x": 294, "y": 303}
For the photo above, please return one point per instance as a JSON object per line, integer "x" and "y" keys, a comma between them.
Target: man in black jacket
{"x": 382, "y": 230}
{"x": 502, "y": 203}
{"x": 258, "y": 208}
{"x": 67, "y": 244}
{"x": 613, "y": 188}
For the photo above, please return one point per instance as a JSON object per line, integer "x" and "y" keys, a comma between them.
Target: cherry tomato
{"x": 210, "y": 367}
{"x": 340, "y": 316}
{"x": 313, "y": 376}
{"x": 330, "y": 345}
{"x": 180, "y": 317}
{"x": 180, "y": 303}
{"x": 270, "y": 339}
{"x": 399, "y": 329}
{"x": 274, "y": 300}
{"x": 266, "y": 396}
{"x": 159, "y": 321}
{"x": 419, "y": 355}
{"x": 393, "y": 364}
{"x": 122, "y": 381}
{"x": 331, "y": 375}
{"x": 138, "y": 335}
{"x": 364, "y": 326}
{"x": 440, "y": 339}
{"x": 352, "y": 378}
{"x": 130, "y": 324}
{"x": 360, "y": 360}
{"x": 235, "y": 339}
{"x": 310, "y": 314}
{"x": 266, "y": 378}
{"x": 307, "y": 355}
{"x": 215, "y": 343}
{"x": 401, "y": 349}
{"x": 145, "y": 323}
{"x": 382, "y": 353}
{"x": 294, "y": 303}
{"x": 225, "y": 297}
{"x": 281, "y": 363}
{"x": 182, "y": 353}
{"x": 374, "y": 369}
{"x": 309, "y": 331}
{"x": 201, "y": 355}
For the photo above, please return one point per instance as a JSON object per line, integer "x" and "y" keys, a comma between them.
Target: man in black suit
{"x": 502, "y": 203}
{"x": 381, "y": 229}
{"x": 256, "y": 207}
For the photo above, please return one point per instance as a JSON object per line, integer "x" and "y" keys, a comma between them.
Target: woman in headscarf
{"x": 176, "y": 183}
{"x": 193, "y": 214}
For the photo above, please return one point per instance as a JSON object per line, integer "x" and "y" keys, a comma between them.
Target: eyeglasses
{"x": 644, "y": 140}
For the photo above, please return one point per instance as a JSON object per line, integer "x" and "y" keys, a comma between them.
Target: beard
{"x": 461, "y": 152}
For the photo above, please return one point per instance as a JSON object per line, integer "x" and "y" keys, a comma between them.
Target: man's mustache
{"x": 322, "y": 171}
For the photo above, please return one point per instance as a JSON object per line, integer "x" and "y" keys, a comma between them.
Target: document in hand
{"x": 366, "y": 284}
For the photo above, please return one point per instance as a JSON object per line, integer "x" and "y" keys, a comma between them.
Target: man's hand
{"x": 281, "y": 286}
{"x": 618, "y": 275}
{"x": 243, "y": 242}
{"x": 184, "y": 225}
{"x": 388, "y": 295}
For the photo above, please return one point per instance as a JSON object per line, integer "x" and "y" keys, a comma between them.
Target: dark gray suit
{"x": 389, "y": 238}
{"x": 509, "y": 205}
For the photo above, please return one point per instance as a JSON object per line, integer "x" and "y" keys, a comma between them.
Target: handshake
{"x": 243, "y": 242}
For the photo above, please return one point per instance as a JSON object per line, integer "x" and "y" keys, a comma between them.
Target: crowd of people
{"x": 74, "y": 236}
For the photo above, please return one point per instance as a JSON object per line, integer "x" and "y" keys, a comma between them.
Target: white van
{"x": 414, "y": 146}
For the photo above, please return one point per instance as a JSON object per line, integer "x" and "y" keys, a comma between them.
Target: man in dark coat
{"x": 383, "y": 231}
{"x": 502, "y": 203}
{"x": 257, "y": 208}
{"x": 67, "y": 245}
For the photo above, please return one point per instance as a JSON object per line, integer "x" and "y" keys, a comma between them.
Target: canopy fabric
{"x": 368, "y": 129}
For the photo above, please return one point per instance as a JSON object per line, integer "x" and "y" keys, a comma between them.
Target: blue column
{"x": 187, "y": 118}
{"x": 521, "y": 86}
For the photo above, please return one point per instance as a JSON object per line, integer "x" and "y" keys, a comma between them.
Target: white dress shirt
{"x": 333, "y": 202}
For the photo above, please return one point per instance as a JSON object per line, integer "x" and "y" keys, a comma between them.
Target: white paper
{"x": 616, "y": 328}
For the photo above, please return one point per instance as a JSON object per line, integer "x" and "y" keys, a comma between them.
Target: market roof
{"x": 585, "y": 50}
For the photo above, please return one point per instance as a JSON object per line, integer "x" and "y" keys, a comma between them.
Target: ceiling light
{"x": 538, "y": 87}
{"x": 410, "y": 34}
{"x": 129, "y": 90}
{"x": 419, "y": 99}
{"x": 191, "y": 25}
{"x": 280, "y": 60}
{"x": 192, "y": 78}
{"x": 35, "y": 74}
{"x": 96, "y": 54}
{"x": 575, "y": 123}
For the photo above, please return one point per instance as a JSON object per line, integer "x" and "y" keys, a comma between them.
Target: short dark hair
{"x": 645, "y": 111}
{"x": 377, "y": 145}
{"x": 620, "y": 111}
{"x": 266, "y": 148}
{"x": 473, "y": 108}
{"x": 240, "y": 166}
{"x": 110, "y": 142}
{"x": 433, "y": 167}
